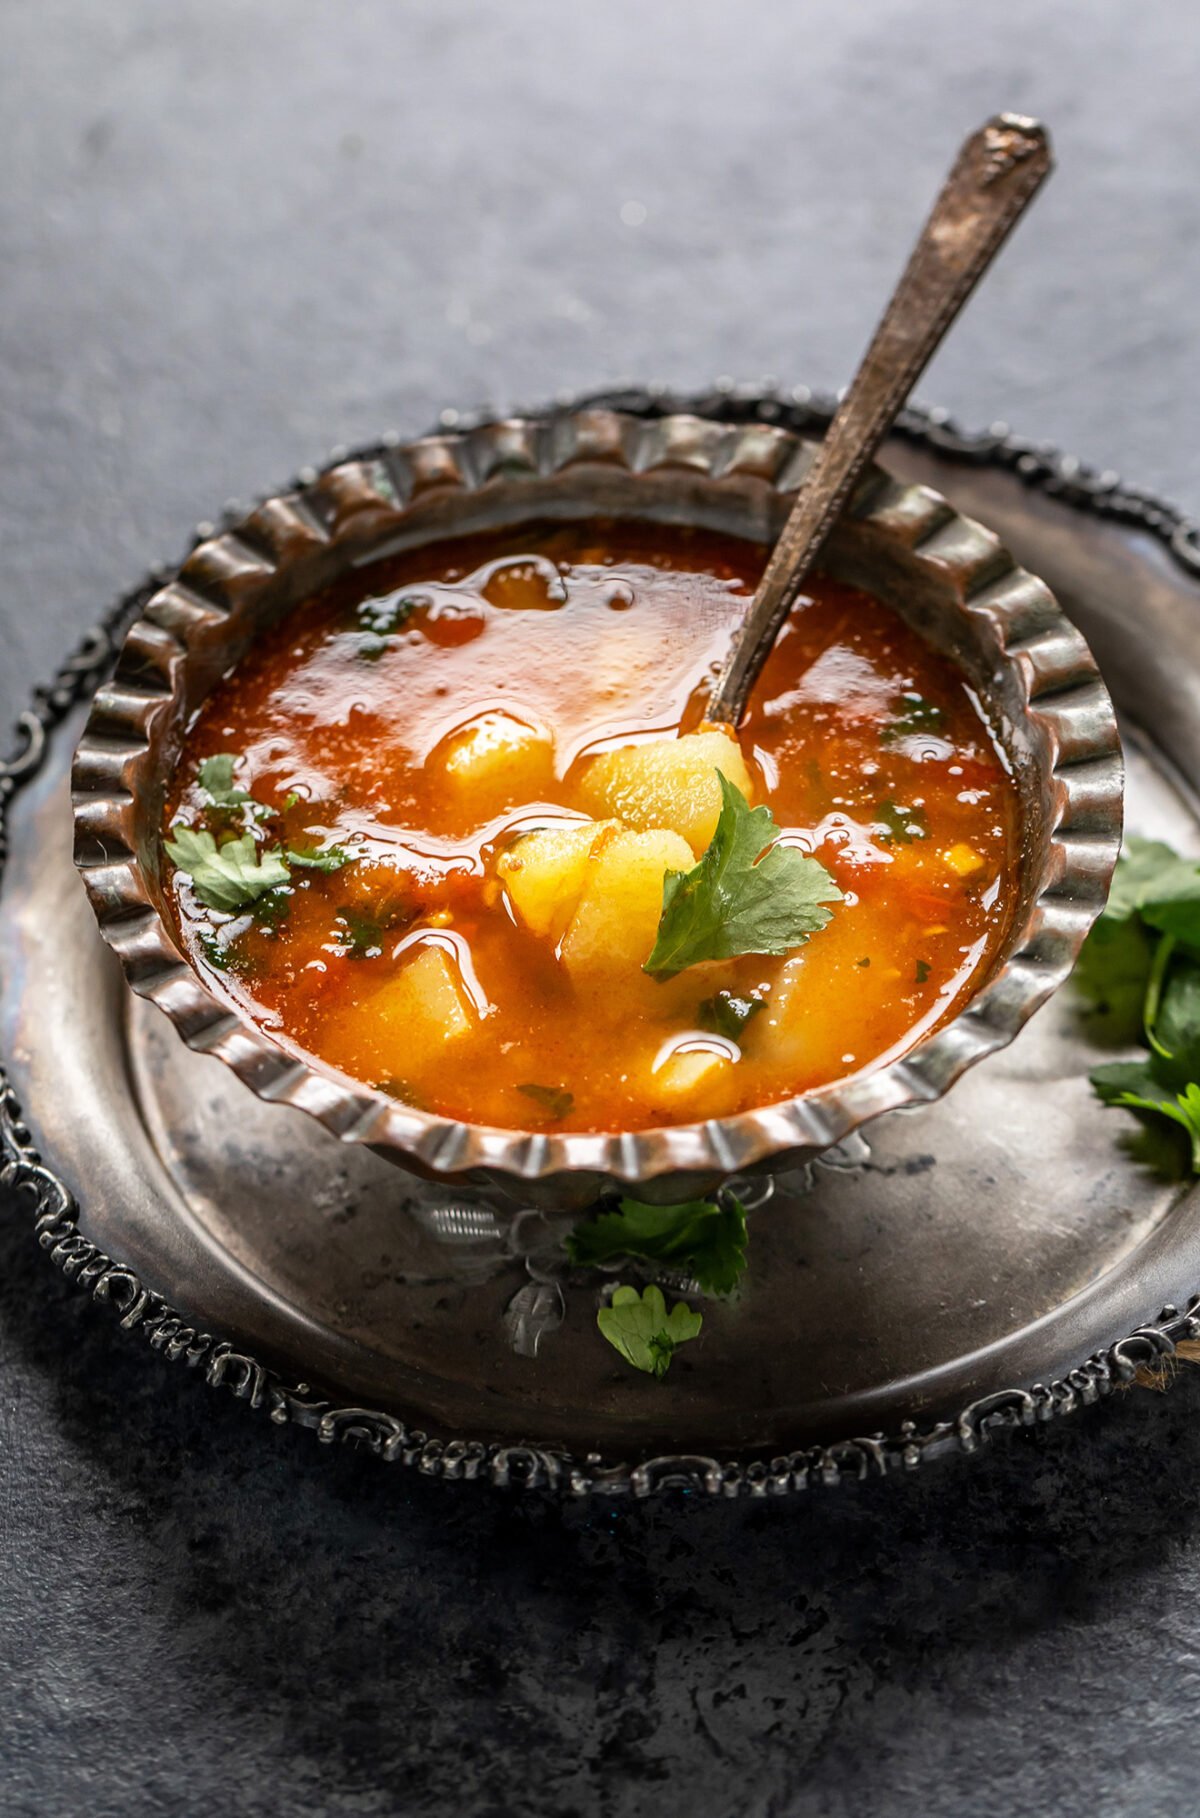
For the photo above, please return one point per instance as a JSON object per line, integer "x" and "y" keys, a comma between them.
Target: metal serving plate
{"x": 980, "y": 1261}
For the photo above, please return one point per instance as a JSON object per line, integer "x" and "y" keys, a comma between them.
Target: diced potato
{"x": 784, "y": 1031}
{"x": 614, "y": 927}
{"x": 962, "y": 860}
{"x": 420, "y": 1010}
{"x": 544, "y": 873}
{"x": 403, "y": 1029}
{"x": 667, "y": 783}
{"x": 699, "y": 1081}
{"x": 493, "y": 762}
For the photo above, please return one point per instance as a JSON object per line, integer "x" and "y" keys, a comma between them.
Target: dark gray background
{"x": 230, "y": 236}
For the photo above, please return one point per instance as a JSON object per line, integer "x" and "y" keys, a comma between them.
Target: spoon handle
{"x": 996, "y": 174}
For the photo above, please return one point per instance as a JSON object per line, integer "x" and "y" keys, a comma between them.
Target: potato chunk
{"x": 963, "y": 860}
{"x": 613, "y": 929}
{"x": 544, "y": 873}
{"x": 401, "y": 1030}
{"x": 667, "y": 783}
{"x": 493, "y": 762}
{"x": 697, "y": 1081}
{"x": 428, "y": 989}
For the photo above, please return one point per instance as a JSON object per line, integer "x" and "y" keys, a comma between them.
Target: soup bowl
{"x": 945, "y": 575}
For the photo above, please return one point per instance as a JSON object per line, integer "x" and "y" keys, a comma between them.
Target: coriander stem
{"x": 1154, "y": 991}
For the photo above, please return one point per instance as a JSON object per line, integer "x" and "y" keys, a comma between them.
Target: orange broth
{"x": 548, "y": 645}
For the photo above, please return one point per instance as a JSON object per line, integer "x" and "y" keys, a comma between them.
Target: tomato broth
{"x": 421, "y": 831}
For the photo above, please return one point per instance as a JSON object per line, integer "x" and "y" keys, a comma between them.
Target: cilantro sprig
{"x": 228, "y": 877}
{"x": 235, "y": 872}
{"x": 747, "y": 894}
{"x": 1140, "y": 967}
{"x": 641, "y": 1329}
{"x": 704, "y": 1237}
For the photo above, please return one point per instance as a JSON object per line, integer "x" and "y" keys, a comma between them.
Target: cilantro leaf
{"x": 555, "y": 1101}
{"x": 216, "y": 779}
{"x": 1135, "y": 1086}
{"x": 707, "y": 1239}
{"x": 1176, "y": 911}
{"x": 331, "y": 858}
{"x": 1183, "y": 1109}
{"x": 1113, "y": 971}
{"x": 1149, "y": 872}
{"x": 725, "y": 1013}
{"x": 1177, "y": 1029}
{"x": 1116, "y": 1080}
{"x": 641, "y": 1329}
{"x": 227, "y": 877}
{"x": 741, "y": 897}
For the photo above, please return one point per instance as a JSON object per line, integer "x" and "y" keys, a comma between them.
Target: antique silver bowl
{"x": 945, "y": 574}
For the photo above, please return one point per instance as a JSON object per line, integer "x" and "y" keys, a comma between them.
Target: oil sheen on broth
{"x": 480, "y": 728}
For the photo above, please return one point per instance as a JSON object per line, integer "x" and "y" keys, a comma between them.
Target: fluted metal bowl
{"x": 946, "y": 575}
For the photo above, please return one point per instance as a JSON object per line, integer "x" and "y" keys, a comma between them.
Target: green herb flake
{"x": 706, "y": 1238}
{"x": 382, "y": 617}
{"x": 215, "y": 954}
{"x": 725, "y": 1013}
{"x": 362, "y": 933}
{"x": 923, "y": 970}
{"x": 228, "y": 877}
{"x": 216, "y": 780}
{"x": 404, "y": 1092}
{"x": 912, "y": 716}
{"x": 747, "y": 894}
{"x": 555, "y": 1101}
{"x": 641, "y": 1329}
{"x": 895, "y": 825}
{"x": 331, "y": 858}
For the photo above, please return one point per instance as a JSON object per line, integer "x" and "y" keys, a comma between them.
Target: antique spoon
{"x": 995, "y": 176}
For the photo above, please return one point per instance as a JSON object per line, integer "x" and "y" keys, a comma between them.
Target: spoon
{"x": 995, "y": 176}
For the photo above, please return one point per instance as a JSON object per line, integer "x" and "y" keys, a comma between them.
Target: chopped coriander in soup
{"x": 457, "y": 828}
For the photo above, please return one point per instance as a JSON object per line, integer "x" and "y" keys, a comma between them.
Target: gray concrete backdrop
{"x": 232, "y": 235}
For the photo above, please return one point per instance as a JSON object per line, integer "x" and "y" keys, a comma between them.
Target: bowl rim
{"x": 351, "y": 510}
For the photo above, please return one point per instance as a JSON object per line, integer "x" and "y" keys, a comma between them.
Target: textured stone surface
{"x": 229, "y": 237}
